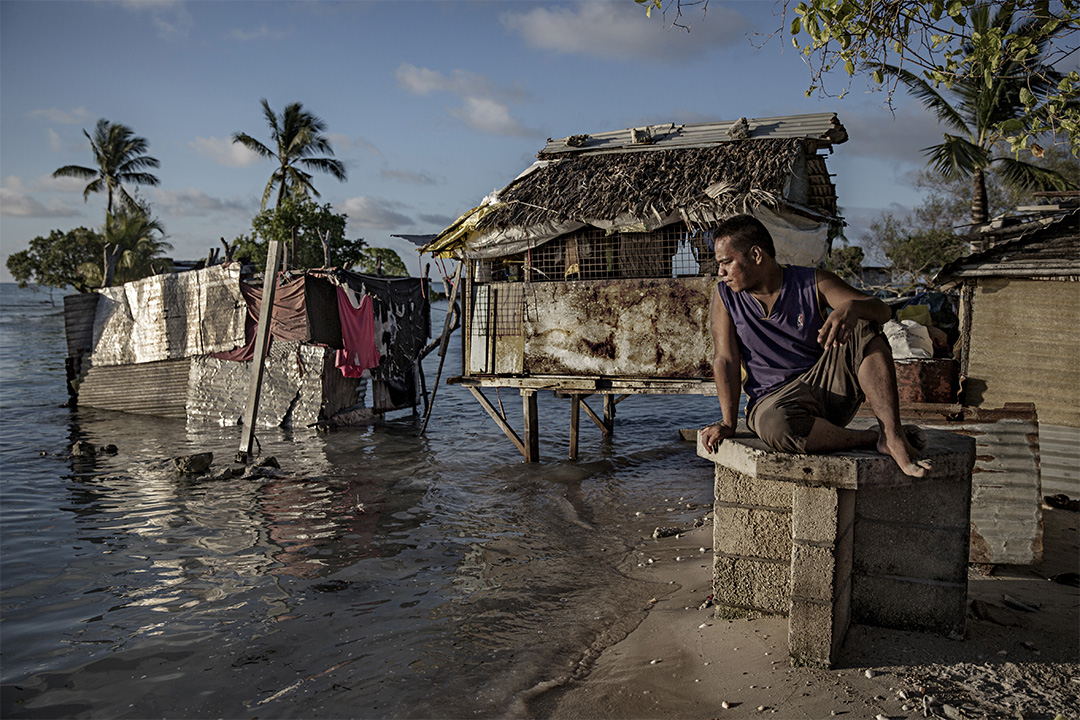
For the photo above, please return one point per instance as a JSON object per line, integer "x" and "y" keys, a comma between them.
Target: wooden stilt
{"x": 499, "y": 420}
{"x": 595, "y": 418}
{"x": 258, "y": 362}
{"x": 532, "y": 426}
{"x": 609, "y": 413}
{"x": 575, "y": 416}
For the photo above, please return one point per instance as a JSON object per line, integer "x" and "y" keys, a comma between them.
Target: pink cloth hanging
{"x": 357, "y": 335}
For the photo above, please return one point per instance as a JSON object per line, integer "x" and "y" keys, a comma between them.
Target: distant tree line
{"x": 131, "y": 243}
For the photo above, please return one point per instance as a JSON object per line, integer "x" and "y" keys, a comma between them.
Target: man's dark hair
{"x": 745, "y": 231}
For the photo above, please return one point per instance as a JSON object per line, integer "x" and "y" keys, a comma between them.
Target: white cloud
{"x": 618, "y": 30}
{"x": 170, "y": 17}
{"x": 17, "y": 204}
{"x": 374, "y": 213}
{"x": 65, "y": 117}
{"x": 485, "y": 106}
{"x": 224, "y": 151}
{"x": 54, "y": 141}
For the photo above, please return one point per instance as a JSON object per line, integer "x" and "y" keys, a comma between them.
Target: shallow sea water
{"x": 382, "y": 574}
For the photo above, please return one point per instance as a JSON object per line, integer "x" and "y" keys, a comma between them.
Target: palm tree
{"x": 978, "y": 111}
{"x": 134, "y": 242}
{"x": 119, "y": 155}
{"x": 297, "y": 136}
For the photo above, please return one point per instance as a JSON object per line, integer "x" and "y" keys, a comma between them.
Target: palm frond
{"x": 957, "y": 157}
{"x": 1023, "y": 175}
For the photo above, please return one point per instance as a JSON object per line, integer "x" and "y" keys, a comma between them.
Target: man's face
{"x": 734, "y": 269}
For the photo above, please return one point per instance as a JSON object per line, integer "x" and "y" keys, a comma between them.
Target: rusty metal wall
{"x": 1024, "y": 347}
{"x": 619, "y": 328}
{"x": 155, "y": 388}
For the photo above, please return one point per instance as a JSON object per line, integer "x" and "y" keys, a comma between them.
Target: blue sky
{"x": 431, "y": 104}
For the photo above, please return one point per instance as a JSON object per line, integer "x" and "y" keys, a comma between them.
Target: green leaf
{"x": 796, "y": 25}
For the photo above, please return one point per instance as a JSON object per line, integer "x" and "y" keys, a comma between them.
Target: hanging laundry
{"x": 357, "y": 334}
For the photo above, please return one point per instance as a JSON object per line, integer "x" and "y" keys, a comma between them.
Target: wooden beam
{"x": 262, "y": 340}
{"x": 595, "y": 418}
{"x": 532, "y": 426}
{"x": 448, "y": 327}
{"x": 609, "y": 413}
{"x": 499, "y": 420}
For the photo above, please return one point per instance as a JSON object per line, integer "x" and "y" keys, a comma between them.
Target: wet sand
{"x": 682, "y": 662}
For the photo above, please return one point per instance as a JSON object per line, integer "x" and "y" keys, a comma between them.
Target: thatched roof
{"x": 643, "y": 179}
{"x": 723, "y": 180}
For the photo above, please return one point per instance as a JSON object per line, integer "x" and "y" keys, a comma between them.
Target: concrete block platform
{"x": 840, "y": 538}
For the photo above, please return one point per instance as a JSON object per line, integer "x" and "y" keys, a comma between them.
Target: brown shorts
{"x": 830, "y": 390}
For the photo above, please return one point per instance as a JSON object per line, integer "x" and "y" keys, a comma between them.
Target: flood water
{"x": 381, "y": 574}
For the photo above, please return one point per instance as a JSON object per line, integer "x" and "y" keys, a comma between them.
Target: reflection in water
{"x": 378, "y": 574}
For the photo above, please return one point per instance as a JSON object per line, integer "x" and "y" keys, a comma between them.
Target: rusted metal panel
{"x": 1023, "y": 347}
{"x": 155, "y": 388}
{"x": 820, "y": 126}
{"x": 929, "y": 380}
{"x": 1059, "y": 449}
{"x": 1006, "y": 499}
{"x": 619, "y": 328}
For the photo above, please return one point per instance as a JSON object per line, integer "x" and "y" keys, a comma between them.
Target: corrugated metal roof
{"x": 1043, "y": 247}
{"x": 823, "y": 127}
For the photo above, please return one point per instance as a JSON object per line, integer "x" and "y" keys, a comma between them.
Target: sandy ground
{"x": 682, "y": 662}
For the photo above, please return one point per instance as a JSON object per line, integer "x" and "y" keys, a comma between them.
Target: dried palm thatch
{"x": 717, "y": 180}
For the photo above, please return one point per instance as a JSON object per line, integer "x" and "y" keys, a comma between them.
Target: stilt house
{"x": 592, "y": 272}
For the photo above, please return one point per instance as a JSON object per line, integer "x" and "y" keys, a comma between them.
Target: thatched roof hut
{"x": 643, "y": 179}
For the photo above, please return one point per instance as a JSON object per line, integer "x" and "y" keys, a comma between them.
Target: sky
{"x": 430, "y": 104}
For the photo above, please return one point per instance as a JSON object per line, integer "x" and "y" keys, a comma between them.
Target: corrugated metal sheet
{"x": 1023, "y": 346}
{"x": 157, "y": 388}
{"x": 1006, "y": 509}
{"x": 824, "y": 127}
{"x": 170, "y": 316}
{"x": 1060, "y": 450}
{"x": 79, "y": 313}
{"x": 1039, "y": 247}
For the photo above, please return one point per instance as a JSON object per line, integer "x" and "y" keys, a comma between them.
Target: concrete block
{"x": 902, "y": 604}
{"x": 943, "y": 503}
{"x": 937, "y": 555}
{"x": 757, "y": 585}
{"x": 752, "y": 532}
{"x": 813, "y": 573}
{"x": 814, "y": 513}
{"x": 741, "y": 489}
{"x": 811, "y": 634}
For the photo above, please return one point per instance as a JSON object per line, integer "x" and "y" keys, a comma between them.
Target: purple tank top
{"x": 778, "y": 347}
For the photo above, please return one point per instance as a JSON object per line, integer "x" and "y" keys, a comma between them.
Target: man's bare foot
{"x": 902, "y": 450}
{"x": 916, "y": 437}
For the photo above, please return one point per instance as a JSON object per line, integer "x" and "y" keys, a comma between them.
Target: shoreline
{"x": 682, "y": 661}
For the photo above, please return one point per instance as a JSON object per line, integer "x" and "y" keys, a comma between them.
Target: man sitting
{"x": 807, "y": 373}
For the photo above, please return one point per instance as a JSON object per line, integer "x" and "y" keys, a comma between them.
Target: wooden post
{"x": 532, "y": 426}
{"x": 448, "y": 327}
{"x": 262, "y": 338}
{"x": 575, "y": 417}
{"x": 609, "y": 413}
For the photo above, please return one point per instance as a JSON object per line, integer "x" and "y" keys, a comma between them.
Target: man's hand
{"x": 713, "y": 435}
{"x": 838, "y": 326}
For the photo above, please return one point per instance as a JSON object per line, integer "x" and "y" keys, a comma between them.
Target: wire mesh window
{"x": 497, "y": 309}
{"x": 592, "y": 254}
